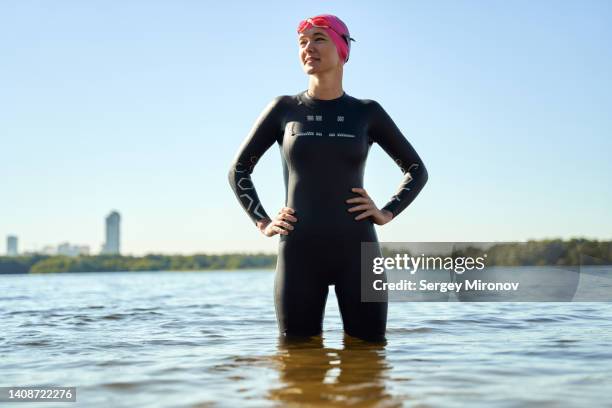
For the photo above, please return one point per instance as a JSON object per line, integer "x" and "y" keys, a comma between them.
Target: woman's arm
{"x": 266, "y": 130}
{"x": 383, "y": 131}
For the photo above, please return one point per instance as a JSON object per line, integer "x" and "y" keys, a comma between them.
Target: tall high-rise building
{"x": 112, "y": 244}
{"x": 11, "y": 246}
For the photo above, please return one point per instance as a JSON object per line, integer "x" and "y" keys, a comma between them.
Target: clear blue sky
{"x": 140, "y": 106}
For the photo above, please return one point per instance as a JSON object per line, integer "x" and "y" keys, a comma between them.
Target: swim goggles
{"x": 322, "y": 22}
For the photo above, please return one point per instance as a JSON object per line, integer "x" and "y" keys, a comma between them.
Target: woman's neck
{"x": 326, "y": 86}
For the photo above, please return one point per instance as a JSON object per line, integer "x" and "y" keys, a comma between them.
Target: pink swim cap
{"x": 335, "y": 29}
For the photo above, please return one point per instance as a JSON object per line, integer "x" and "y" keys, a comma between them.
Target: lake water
{"x": 208, "y": 339}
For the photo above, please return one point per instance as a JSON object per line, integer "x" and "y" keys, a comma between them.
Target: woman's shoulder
{"x": 363, "y": 103}
{"x": 281, "y": 99}
{"x": 277, "y": 105}
{"x": 370, "y": 103}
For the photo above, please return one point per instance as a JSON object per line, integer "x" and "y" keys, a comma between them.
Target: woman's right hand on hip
{"x": 280, "y": 224}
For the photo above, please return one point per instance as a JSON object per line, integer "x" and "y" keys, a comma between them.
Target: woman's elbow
{"x": 424, "y": 175}
{"x": 231, "y": 175}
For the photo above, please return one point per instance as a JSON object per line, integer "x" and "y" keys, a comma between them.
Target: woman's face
{"x": 317, "y": 51}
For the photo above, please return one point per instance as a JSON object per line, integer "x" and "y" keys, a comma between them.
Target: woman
{"x": 324, "y": 136}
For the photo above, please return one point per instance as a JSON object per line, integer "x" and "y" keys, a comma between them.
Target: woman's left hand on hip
{"x": 366, "y": 204}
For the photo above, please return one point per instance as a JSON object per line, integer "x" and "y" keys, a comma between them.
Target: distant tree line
{"x": 574, "y": 252}
{"x": 118, "y": 263}
{"x": 545, "y": 252}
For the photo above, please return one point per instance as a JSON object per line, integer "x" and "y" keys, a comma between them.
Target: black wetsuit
{"x": 324, "y": 145}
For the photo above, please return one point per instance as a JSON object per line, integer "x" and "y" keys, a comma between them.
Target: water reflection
{"x": 354, "y": 375}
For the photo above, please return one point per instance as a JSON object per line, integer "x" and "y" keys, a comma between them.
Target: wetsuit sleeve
{"x": 383, "y": 131}
{"x": 263, "y": 134}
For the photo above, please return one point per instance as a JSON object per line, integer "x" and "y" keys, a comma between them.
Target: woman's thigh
{"x": 366, "y": 320}
{"x": 301, "y": 287}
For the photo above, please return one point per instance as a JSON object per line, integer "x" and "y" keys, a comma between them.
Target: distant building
{"x": 72, "y": 250}
{"x": 48, "y": 250}
{"x": 11, "y": 246}
{"x": 112, "y": 244}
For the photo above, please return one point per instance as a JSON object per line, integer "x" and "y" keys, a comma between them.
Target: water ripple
{"x": 189, "y": 340}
